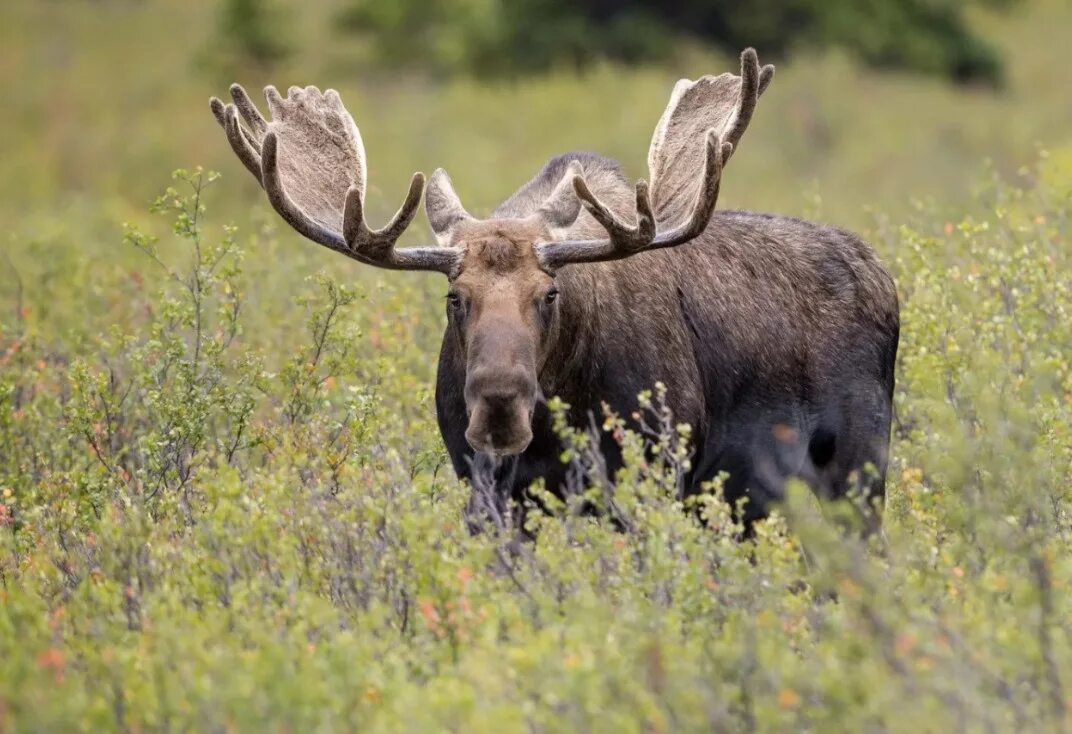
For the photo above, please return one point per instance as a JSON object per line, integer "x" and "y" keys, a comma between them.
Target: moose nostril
{"x": 499, "y": 420}
{"x": 498, "y": 402}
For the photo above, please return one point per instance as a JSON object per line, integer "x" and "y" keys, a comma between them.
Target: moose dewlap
{"x": 776, "y": 337}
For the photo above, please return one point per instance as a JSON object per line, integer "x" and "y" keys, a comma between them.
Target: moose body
{"x": 775, "y": 337}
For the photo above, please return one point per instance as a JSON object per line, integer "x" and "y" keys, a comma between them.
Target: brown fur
{"x": 762, "y": 328}
{"x": 499, "y": 286}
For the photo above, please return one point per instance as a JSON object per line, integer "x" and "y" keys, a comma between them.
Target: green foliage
{"x": 492, "y": 38}
{"x": 250, "y": 33}
{"x": 304, "y": 562}
{"x": 201, "y": 532}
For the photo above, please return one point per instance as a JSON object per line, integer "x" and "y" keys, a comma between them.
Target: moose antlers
{"x": 723, "y": 106}
{"x": 628, "y": 239}
{"x": 311, "y": 162}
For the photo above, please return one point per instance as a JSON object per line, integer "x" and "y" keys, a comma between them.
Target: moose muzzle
{"x": 500, "y": 402}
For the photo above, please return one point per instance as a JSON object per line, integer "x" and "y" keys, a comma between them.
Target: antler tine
{"x": 218, "y": 111}
{"x": 766, "y": 76}
{"x": 754, "y": 82}
{"x": 250, "y": 113}
{"x": 377, "y": 246}
{"x": 625, "y": 236}
{"x": 371, "y": 241}
{"x": 624, "y": 239}
{"x": 241, "y": 142}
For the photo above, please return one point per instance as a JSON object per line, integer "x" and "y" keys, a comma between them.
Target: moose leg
{"x": 758, "y": 454}
{"x": 849, "y": 450}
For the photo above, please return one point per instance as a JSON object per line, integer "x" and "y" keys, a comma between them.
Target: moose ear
{"x": 443, "y": 207}
{"x": 561, "y": 208}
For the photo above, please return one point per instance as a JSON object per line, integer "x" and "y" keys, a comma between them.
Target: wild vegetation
{"x": 224, "y": 504}
{"x": 495, "y": 39}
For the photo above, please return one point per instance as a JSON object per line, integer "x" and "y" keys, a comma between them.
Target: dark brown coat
{"x": 776, "y": 339}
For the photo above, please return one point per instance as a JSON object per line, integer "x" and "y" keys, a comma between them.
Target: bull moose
{"x": 776, "y": 337}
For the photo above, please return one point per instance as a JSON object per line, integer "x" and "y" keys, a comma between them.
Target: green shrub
{"x": 203, "y": 530}
{"x": 496, "y": 39}
{"x": 251, "y": 34}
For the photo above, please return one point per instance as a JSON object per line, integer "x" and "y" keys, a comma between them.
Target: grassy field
{"x": 225, "y": 506}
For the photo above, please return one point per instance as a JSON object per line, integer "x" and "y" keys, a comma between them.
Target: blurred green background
{"x": 103, "y": 99}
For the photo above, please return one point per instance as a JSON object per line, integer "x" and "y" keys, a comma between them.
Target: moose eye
{"x": 454, "y": 300}
{"x": 551, "y": 297}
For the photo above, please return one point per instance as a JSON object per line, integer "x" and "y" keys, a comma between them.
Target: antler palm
{"x": 311, "y": 162}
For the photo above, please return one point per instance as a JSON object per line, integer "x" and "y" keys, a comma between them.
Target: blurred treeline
{"x": 493, "y": 38}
